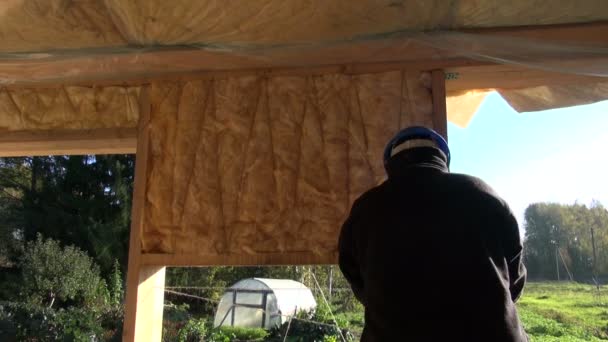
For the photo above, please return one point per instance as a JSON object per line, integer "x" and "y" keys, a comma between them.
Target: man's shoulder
{"x": 468, "y": 182}
{"x": 372, "y": 196}
{"x": 475, "y": 187}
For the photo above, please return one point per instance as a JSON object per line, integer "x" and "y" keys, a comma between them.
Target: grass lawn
{"x": 550, "y": 311}
{"x": 553, "y": 311}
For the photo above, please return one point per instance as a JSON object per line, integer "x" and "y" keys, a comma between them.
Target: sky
{"x": 558, "y": 155}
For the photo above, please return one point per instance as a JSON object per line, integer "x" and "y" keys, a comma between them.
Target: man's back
{"x": 436, "y": 256}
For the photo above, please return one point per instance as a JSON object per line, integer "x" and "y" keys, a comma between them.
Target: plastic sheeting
{"x": 266, "y": 303}
{"x": 85, "y": 41}
{"x": 565, "y": 57}
{"x": 47, "y": 25}
{"x": 90, "y": 65}
{"x": 554, "y": 96}
{"x": 462, "y": 107}
{"x": 93, "y": 41}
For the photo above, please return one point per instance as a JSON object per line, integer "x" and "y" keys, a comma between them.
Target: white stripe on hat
{"x": 411, "y": 144}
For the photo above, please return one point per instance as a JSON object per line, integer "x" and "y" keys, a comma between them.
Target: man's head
{"x": 415, "y": 136}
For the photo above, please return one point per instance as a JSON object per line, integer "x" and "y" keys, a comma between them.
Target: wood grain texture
{"x": 68, "y": 142}
{"x": 137, "y": 276}
{"x": 422, "y": 51}
{"x": 440, "y": 121}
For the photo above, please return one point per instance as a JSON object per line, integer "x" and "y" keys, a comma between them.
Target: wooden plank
{"x": 125, "y": 78}
{"x": 586, "y": 33}
{"x": 303, "y": 258}
{"x": 440, "y": 121}
{"x": 462, "y": 79}
{"x": 145, "y": 284}
{"x": 178, "y": 63}
{"x": 68, "y": 142}
{"x": 150, "y": 304}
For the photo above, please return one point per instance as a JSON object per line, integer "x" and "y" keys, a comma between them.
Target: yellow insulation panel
{"x": 254, "y": 165}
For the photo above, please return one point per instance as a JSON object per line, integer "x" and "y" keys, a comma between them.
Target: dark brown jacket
{"x": 433, "y": 256}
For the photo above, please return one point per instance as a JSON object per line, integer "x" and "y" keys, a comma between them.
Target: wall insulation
{"x": 68, "y": 107}
{"x": 254, "y": 165}
{"x": 51, "y": 25}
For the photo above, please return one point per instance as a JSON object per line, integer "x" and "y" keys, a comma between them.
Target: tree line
{"x": 566, "y": 242}
{"x": 64, "y": 230}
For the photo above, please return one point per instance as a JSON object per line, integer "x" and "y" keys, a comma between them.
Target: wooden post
{"x": 330, "y": 281}
{"x": 145, "y": 283}
{"x": 556, "y": 263}
{"x": 594, "y": 257}
{"x": 440, "y": 120}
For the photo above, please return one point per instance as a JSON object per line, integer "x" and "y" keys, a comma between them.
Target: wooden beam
{"x": 440, "y": 121}
{"x": 150, "y": 305}
{"x": 287, "y": 258}
{"x": 585, "y": 33}
{"x": 462, "y": 79}
{"x": 347, "y": 69}
{"x": 68, "y": 142}
{"x": 184, "y": 63}
{"x": 145, "y": 284}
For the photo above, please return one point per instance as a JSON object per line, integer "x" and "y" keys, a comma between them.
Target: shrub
{"x": 116, "y": 292}
{"x": 332, "y": 338}
{"x": 313, "y": 325}
{"x": 237, "y": 334}
{"x": 193, "y": 331}
{"x": 28, "y": 322}
{"x": 51, "y": 273}
{"x": 174, "y": 317}
{"x": 64, "y": 298}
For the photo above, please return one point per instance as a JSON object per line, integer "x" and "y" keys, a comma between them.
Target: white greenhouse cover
{"x": 243, "y": 303}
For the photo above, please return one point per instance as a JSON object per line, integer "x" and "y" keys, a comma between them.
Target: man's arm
{"x": 348, "y": 259}
{"x": 500, "y": 216}
{"x": 513, "y": 249}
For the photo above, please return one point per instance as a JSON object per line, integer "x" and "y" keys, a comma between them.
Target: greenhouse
{"x": 265, "y": 303}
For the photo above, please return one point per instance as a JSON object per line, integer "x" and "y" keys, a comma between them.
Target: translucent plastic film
{"x": 87, "y": 41}
{"x": 45, "y": 25}
{"x": 127, "y": 63}
{"x": 566, "y": 57}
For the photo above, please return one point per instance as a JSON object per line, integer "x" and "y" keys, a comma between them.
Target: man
{"x": 433, "y": 256}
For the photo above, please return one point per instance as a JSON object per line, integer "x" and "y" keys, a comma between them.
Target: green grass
{"x": 550, "y": 311}
{"x": 564, "y": 312}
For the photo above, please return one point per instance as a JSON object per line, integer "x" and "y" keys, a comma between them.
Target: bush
{"x": 77, "y": 324}
{"x": 306, "y": 327}
{"x": 63, "y": 298}
{"x": 237, "y": 334}
{"x": 51, "y": 273}
{"x": 174, "y": 317}
{"x": 28, "y": 322}
{"x": 193, "y": 331}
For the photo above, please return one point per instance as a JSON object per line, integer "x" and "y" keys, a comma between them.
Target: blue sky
{"x": 558, "y": 155}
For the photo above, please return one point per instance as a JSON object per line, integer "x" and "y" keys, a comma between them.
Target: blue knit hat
{"x": 416, "y": 132}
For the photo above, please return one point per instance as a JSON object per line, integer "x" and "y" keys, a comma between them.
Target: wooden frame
{"x": 440, "y": 114}
{"x": 145, "y": 283}
{"x": 87, "y": 141}
{"x": 118, "y": 69}
{"x": 145, "y": 276}
{"x": 463, "y": 74}
{"x": 143, "y": 319}
{"x": 240, "y": 260}
{"x": 464, "y": 78}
